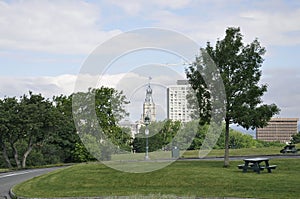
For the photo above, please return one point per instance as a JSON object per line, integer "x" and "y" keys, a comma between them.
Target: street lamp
{"x": 147, "y": 122}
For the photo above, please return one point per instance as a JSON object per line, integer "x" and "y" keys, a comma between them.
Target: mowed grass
{"x": 236, "y": 152}
{"x": 182, "y": 178}
{"x": 195, "y": 153}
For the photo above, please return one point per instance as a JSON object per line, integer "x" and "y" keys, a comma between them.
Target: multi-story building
{"x": 177, "y": 105}
{"x": 278, "y": 129}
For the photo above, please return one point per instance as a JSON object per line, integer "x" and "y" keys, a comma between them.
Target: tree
{"x": 11, "y": 128}
{"x": 239, "y": 66}
{"x": 24, "y": 124}
{"x": 161, "y": 136}
{"x": 96, "y": 114}
{"x": 296, "y": 138}
{"x": 8, "y": 109}
{"x": 38, "y": 121}
{"x": 64, "y": 137}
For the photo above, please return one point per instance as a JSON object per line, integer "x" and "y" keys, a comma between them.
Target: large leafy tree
{"x": 39, "y": 121}
{"x": 9, "y": 128}
{"x": 97, "y": 113}
{"x": 239, "y": 66}
{"x": 64, "y": 137}
{"x": 29, "y": 120}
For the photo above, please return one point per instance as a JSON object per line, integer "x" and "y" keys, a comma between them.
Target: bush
{"x": 260, "y": 144}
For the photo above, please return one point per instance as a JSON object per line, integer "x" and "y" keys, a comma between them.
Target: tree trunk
{"x": 226, "y": 156}
{"x": 5, "y": 156}
{"x": 27, "y": 152}
{"x": 25, "y": 157}
{"x": 16, "y": 156}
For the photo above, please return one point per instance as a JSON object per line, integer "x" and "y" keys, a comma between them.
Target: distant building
{"x": 148, "y": 110}
{"x": 149, "y": 106}
{"x": 134, "y": 127}
{"x": 278, "y": 129}
{"x": 177, "y": 105}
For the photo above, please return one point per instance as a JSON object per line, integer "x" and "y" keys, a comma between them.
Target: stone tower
{"x": 149, "y": 106}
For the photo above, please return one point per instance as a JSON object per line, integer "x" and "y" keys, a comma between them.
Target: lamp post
{"x": 147, "y": 122}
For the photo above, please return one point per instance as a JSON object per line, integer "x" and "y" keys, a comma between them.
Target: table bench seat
{"x": 250, "y": 166}
{"x": 271, "y": 167}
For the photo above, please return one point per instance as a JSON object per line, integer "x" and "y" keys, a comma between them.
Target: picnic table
{"x": 254, "y": 164}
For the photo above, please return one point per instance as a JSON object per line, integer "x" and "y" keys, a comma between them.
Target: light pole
{"x": 147, "y": 122}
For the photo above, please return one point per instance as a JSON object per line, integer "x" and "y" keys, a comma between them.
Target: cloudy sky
{"x": 44, "y": 44}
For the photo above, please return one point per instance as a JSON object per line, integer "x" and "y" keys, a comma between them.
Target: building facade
{"x": 278, "y": 129}
{"x": 149, "y": 106}
{"x": 177, "y": 105}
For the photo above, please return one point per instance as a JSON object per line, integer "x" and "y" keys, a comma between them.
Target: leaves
{"x": 239, "y": 66}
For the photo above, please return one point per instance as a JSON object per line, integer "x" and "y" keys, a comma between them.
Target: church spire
{"x": 149, "y": 106}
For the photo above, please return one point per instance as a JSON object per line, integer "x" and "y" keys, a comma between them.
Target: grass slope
{"x": 182, "y": 178}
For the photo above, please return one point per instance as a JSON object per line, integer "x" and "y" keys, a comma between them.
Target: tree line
{"x": 36, "y": 131}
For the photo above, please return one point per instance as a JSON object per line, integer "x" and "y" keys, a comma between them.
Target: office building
{"x": 278, "y": 129}
{"x": 177, "y": 105}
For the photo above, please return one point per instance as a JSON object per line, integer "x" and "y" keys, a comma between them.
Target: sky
{"x": 45, "y": 44}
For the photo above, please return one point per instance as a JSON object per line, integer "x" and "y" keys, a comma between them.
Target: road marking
{"x": 15, "y": 174}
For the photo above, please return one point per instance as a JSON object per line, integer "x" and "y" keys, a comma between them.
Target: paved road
{"x": 7, "y": 180}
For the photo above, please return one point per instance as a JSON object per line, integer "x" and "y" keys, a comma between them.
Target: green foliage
{"x": 96, "y": 114}
{"x": 261, "y": 144}
{"x": 296, "y": 138}
{"x": 80, "y": 154}
{"x": 161, "y": 135}
{"x": 36, "y": 131}
{"x": 239, "y": 67}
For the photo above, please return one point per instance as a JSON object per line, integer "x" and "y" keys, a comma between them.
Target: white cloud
{"x": 133, "y": 85}
{"x": 51, "y": 26}
{"x": 273, "y": 25}
{"x": 47, "y": 86}
{"x": 283, "y": 90}
{"x": 135, "y": 7}
{"x": 77, "y": 26}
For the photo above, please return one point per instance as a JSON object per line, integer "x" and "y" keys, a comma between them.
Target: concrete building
{"x": 278, "y": 129}
{"x": 177, "y": 105}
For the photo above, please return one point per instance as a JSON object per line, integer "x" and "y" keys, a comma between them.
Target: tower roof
{"x": 149, "y": 98}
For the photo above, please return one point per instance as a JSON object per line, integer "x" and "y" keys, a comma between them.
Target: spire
{"x": 149, "y": 106}
{"x": 149, "y": 98}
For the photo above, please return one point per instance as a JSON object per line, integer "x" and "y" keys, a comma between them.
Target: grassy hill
{"x": 183, "y": 178}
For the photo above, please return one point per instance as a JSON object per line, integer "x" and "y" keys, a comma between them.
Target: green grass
{"x": 236, "y": 152}
{"x": 4, "y": 170}
{"x": 182, "y": 178}
{"x": 195, "y": 153}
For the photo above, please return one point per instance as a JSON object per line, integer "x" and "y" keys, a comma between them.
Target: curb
{"x": 12, "y": 194}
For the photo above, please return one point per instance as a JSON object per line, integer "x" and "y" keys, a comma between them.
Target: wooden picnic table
{"x": 254, "y": 164}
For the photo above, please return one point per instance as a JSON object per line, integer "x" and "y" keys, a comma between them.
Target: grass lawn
{"x": 3, "y": 170}
{"x": 236, "y": 152}
{"x": 182, "y": 178}
{"x": 195, "y": 153}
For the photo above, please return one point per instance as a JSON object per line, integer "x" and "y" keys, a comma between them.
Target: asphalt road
{"x": 7, "y": 180}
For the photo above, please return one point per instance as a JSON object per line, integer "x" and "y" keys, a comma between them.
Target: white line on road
{"x": 14, "y": 174}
